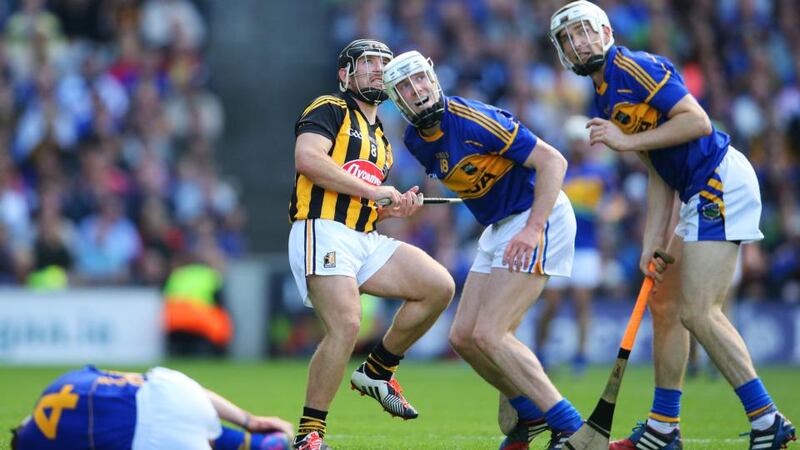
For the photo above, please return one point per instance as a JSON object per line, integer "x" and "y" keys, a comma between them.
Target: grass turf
{"x": 457, "y": 409}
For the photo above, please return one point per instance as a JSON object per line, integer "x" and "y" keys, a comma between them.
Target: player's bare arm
{"x": 660, "y": 202}
{"x": 312, "y": 160}
{"x": 228, "y": 411}
{"x": 550, "y": 170}
{"x": 687, "y": 121}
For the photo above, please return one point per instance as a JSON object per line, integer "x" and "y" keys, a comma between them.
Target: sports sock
{"x": 232, "y": 439}
{"x": 381, "y": 364}
{"x": 666, "y": 411}
{"x": 526, "y": 409}
{"x": 764, "y": 420}
{"x": 311, "y": 421}
{"x": 564, "y": 417}
{"x": 757, "y": 404}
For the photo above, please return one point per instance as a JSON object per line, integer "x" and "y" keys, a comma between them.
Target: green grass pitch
{"x": 457, "y": 409}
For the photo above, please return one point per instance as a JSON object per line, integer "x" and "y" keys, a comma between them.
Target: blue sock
{"x": 564, "y": 417}
{"x": 526, "y": 409}
{"x": 754, "y": 397}
{"x": 666, "y": 405}
{"x": 232, "y": 439}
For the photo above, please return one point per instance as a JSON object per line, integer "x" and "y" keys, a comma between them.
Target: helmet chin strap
{"x": 430, "y": 117}
{"x": 592, "y": 65}
{"x": 370, "y": 95}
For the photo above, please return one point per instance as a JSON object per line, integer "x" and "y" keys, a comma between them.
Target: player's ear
{"x": 607, "y": 33}
{"x": 343, "y": 79}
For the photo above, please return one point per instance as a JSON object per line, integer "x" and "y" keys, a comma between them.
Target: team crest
{"x": 710, "y": 212}
{"x": 329, "y": 261}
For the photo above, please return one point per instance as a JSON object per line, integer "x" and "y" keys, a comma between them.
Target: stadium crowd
{"x": 107, "y": 131}
{"x": 108, "y": 128}
{"x": 740, "y": 59}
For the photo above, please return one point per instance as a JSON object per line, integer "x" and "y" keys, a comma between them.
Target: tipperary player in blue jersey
{"x": 162, "y": 409}
{"x": 642, "y": 105}
{"x": 510, "y": 180}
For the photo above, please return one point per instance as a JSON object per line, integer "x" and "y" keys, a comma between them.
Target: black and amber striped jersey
{"x": 359, "y": 148}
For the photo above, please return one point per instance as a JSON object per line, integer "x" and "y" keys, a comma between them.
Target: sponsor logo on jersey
{"x": 475, "y": 175}
{"x": 634, "y": 118}
{"x": 365, "y": 170}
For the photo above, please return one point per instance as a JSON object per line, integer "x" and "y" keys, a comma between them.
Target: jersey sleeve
{"x": 323, "y": 116}
{"x": 522, "y": 145}
{"x": 653, "y": 79}
{"x": 494, "y": 130}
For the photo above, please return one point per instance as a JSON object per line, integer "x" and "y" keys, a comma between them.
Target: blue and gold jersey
{"x": 86, "y": 408}
{"x": 638, "y": 92}
{"x": 479, "y": 155}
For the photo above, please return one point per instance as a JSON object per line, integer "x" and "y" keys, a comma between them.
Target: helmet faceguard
{"x": 414, "y": 88}
{"x": 357, "y": 53}
{"x": 588, "y": 15}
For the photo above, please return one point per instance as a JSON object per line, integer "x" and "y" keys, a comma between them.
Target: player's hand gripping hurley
{"x": 384, "y": 202}
{"x": 595, "y": 432}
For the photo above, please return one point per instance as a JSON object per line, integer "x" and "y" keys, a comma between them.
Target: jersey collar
{"x": 612, "y": 53}
{"x": 352, "y": 104}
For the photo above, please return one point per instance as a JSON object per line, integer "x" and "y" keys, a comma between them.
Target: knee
{"x": 695, "y": 319}
{"x": 443, "y": 291}
{"x": 487, "y": 341}
{"x": 664, "y": 311}
{"x": 461, "y": 341}
{"x": 346, "y": 330}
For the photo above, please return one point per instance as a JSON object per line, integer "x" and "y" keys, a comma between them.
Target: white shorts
{"x": 173, "y": 411}
{"x": 326, "y": 247}
{"x": 587, "y": 271}
{"x": 553, "y": 256}
{"x": 729, "y": 206}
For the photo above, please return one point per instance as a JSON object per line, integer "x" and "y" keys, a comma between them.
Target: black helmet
{"x": 347, "y": 60}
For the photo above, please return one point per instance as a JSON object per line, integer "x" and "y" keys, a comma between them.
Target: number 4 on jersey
{"x": 57, "y": 402}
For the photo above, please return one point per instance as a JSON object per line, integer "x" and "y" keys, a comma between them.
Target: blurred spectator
{"x": 33, "y": 36}
{"x": 46, "y": 119}
{"x": 166, "y": 21}
{"x": 10, "y": 261}
{"x": 55, "y": 238}
{"x": 107, "y": 244}
{"x": 195, "y": 318}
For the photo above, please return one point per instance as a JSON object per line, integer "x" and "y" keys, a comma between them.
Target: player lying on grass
{"x": 642, "y": 105}
{"x": 160, "y": 410}
{"x": 491, "y": 161}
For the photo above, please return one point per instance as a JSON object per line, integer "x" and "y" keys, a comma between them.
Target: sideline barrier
{"x": 80, "y": 326}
